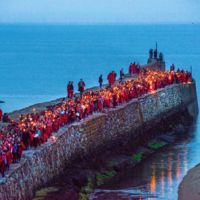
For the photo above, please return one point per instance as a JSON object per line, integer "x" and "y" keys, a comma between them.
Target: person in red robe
{"x": 133, "y": 68}
{"x": 1, "y": 114}
{"x": 109, "y": 77}
{"x": 129, "y": 69}
{"x": 9, "y": 157}
{"x": 2, "y": 164}
{"x": 100, "y": 104}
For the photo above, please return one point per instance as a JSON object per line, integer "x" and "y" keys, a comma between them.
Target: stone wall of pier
{"x": 40, "y": 166}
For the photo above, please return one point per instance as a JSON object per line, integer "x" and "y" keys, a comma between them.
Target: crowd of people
{"x": 134, "y": 68}
{"x": 33, "y": 129}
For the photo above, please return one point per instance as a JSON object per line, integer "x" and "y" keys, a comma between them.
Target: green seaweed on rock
{"x": 89, "y": 187}
{"x": 137, "y": 156}
{"x": 83, "y": 196}
{"x": 103, "y": 176}
{"x": 156, "y": 145}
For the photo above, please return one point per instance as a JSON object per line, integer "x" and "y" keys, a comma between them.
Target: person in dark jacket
{"x": 5, "y": 118}
{"x": 70, "y": 89}
{"x": 121, "y": 74}
{"x": 100, "y": 81}
{"x": 81, "y": 87}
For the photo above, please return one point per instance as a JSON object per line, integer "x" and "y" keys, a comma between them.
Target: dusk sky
{"x": 101, "y": 11}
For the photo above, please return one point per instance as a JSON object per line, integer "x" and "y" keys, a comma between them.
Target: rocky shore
{"x": 189, "y": 189}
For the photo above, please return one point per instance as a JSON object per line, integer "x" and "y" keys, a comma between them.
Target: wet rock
{"x": 119, "y": 162}
{"x": 168, "y": 138}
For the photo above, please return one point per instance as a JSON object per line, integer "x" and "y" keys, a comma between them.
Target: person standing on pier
{"x": 81, "y": 87}
{"x": 2, "y": 164}
{"x": 115, "y": 75}
{"x": 172, "y": 67}
{"x": 155, "y": 54}
{"x": 121, "y": 74}
{"x": 1, "y": 114}
{"x": 132, "y": 68}
{"x": 111, "y": 78}
{"x": 5, "y": 118}
{"x": 100, "y": 81}
{"x": 70, "y": 89}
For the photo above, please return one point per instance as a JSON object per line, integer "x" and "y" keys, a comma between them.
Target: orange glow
{"x": 169, "y": 175}
{"x": 153, "y": 184}
{"x": 178, "y": 170}
{"x": 147, "y": 81}
{"x": 153, "y": 92}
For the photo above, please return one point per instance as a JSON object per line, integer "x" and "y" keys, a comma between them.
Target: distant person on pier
{"x": 150, "y": 53}
{"x": 115, "y": 75}
{"x": 2, "y": 164}
{"x": 138, "y": 68}
{"x": 81, "y": 87}
{"x": 70, "y": 89}
{"x": 100, "y": 81}
{"x": 155, "y": 54}
{"x": 132, "y": 68}
{"x": 161, "y": 57}
{"x": 111, "y": 78}
{"x": 26, "y": 138}
{"x": 172, "y": 67}
{"x": 1, "y": 114}
{"x": 121, "y": 74}
{"x": 5, "y": 118}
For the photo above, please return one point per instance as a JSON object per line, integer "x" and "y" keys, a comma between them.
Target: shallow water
{"x": 158, "y": 176}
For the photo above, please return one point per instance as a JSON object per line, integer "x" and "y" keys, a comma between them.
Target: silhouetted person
{"x": 160, "y": 57}
{"x": 70, "y": 89}
{"x": 172, "y": 67}
{"x": 151, "y": 53}
{"x": 81, "y": 87}
{"x": 5, "y": 118}
{"x": 155, "y": 54}
{"x": 121, "y": 74}
{"x": 25, "y": 138}
{"x": 1, "y": 114}
{"x": 100, "y": 81}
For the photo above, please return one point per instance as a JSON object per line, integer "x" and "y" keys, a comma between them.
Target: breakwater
{"x": 95, "y": 132}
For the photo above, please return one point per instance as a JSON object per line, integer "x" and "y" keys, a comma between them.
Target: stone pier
{"x": 40, "y": 166}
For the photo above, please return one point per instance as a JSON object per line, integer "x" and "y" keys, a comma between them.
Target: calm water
{"x": 36, "y": 62}
{"x": 159, "y": 176}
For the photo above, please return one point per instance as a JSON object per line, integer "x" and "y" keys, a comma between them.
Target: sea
{"x": 37, "y": 61}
